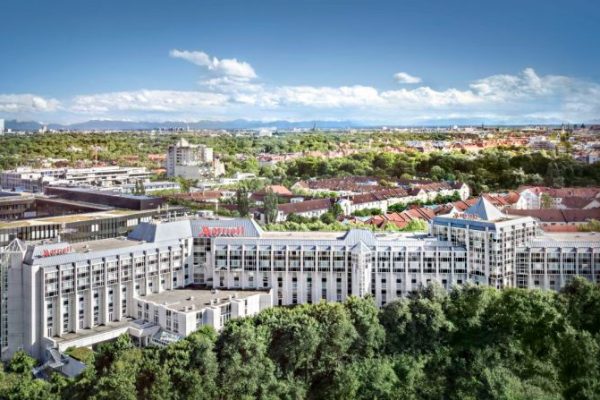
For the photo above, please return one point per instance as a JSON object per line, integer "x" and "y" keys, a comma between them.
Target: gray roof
{"x": 198, "y": 227}
{"x": 485, "y": 210}
{"x": 159, "y": 231}
{"x": 361, "y": 247}
{"x": 75, "y": 254}
{"x": 360, "y": 235}
{"x": 249, "y": 227}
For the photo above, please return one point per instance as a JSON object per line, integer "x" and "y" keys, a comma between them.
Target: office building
{"x": 107, "y": 197}
{"x": 80, "y": 227}
{"x": 35, "y": 180}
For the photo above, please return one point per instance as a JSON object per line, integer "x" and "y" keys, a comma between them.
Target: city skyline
{"x": 397, "y": 63}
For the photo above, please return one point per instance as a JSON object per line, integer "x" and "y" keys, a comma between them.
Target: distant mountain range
{"x": 102, "y": 125}
{"x": 205, "y": 124}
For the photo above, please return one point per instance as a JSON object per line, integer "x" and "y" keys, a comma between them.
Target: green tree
{"x": 581, "y": 300}
{"x": 365, "y": 318}
{"x": 242, "y": 201}
{"x": 294, "y": 338}
{"x": 327, "y": 218}
{"x": 192, "y": 365}
{"x": 246, "y": 371}
{"x": 336, "y": 210}
{"x": 21, "y": 363}
{"x": 546, "y": 201}
{"x": 271, "y": 204}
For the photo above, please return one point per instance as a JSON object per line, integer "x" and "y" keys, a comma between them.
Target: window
{"x": 199, "y": 319}
{"x": 225, "y": 313}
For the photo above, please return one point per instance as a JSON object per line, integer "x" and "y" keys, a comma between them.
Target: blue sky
{"x": 394, "y": 62}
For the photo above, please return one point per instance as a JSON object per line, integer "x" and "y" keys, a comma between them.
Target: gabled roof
{"x": 485, "y": 210}
{"x": 305, "y": 206}
{"x": 576, "y": 202}
{"x": 277, "y": 189}
{"x": 360, "y": 236}
{"x": 561, "y": 216}
{"x": 360, "y": 247}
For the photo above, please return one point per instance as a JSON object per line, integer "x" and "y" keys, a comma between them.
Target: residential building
{"x": 536, "y": 197}
{"x": 192, "y": 161}
{"x": 350, "y": 186}
{"x": 307, "y": 209}
{"x": 559, "y": 217}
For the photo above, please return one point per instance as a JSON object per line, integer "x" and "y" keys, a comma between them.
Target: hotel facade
{"x": 166, "y": 279}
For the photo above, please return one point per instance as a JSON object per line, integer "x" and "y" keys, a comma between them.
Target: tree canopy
{"x": 472, "y": 343}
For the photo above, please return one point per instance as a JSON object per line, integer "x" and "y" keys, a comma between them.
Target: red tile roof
{"x": 378, "y": 195}
{"x": 305, "y": 206}
{"x": 403, "y": 218}
{"x": 277, "y": 189}
{"x": 561, "y": 216}
{"x": 576, "y": 202}
{"x": 563, "y": 192}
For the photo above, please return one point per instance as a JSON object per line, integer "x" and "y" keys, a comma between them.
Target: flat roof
{"x": 103, "y": 244}
{"x": 110, "y": 193}
{"x": 183, "y": 299}
{"x": 15, "y": 196}
{"x": 571, "y": 236}
{"x": 303, "y": 235}
{"x": 339, "y": 235}
{"x": 66, "y": 219}
{"x": 93, "y": 331}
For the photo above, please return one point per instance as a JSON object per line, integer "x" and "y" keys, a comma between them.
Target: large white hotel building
{"x": 169, "y": 278}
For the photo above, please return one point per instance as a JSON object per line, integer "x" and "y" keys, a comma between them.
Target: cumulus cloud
{"x": 163, "y": 101}
{"x": 26, "y": 103}
{"x": 403, "y": 77}
{"x": 527, "y": 84}
{"x": 510, "y": 98}
{"x": 230, "y": 67}
{"x": 328, "y": 97}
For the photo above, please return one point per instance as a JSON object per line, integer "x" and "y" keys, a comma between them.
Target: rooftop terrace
{"x": 184, "y": 299}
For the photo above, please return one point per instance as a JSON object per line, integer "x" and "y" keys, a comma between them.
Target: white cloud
{"x": 26, "y": 103}
{"x": 162, "y": 101}
{"x": 403, "y": 77}
{"x": 226, "y": 66}
{"x": 523, "y": 97}
{"x": 327, "y": 97}
{"x": 426, "y": 97}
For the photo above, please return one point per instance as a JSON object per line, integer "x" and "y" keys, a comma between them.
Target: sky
{"x": 381, "y": 62}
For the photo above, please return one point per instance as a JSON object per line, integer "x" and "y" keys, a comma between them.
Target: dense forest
{"x": 113, "y": 147}
{"x": 15, "y": 149}
{"x": 472, "y": 343}
{"x": 489, "y": 170}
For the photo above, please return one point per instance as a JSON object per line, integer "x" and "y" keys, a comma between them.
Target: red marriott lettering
{"x": 208, "y": 231}
{"x": 56, "y": 252}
